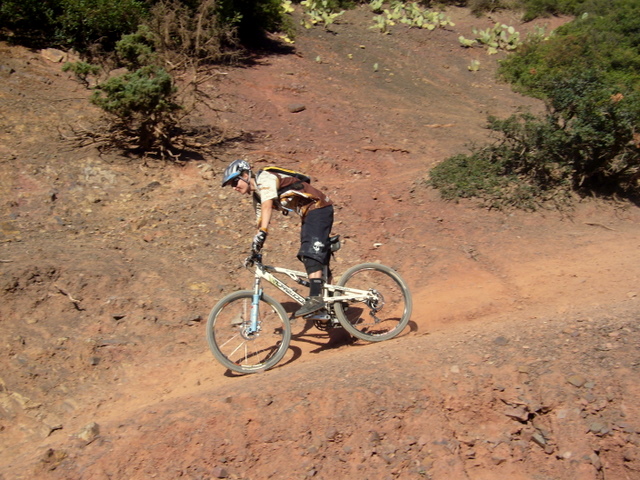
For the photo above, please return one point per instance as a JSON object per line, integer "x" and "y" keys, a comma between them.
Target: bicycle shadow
{"x": 337, "y": 337}
{"x": 329, "y": 339}
{"x": 323, "y": 339}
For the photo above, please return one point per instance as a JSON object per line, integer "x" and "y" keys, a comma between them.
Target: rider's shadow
{"x": 324, "y": 339}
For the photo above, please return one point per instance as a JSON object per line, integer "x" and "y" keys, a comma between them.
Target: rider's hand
{"x": 258, "y": 241}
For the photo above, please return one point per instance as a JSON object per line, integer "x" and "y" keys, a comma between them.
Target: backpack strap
{"x": 290, "y": 182}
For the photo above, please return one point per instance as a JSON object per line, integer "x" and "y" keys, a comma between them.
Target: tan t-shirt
{"x": 273, "y": 186}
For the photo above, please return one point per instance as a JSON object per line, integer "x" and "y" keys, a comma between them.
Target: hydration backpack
{"x": 292, "y": 173}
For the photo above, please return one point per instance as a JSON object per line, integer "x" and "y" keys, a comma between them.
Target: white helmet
{"x": 234, "y": 170}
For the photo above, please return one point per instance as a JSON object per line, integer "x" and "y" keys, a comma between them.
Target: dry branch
{"x": 592, "y": 224}
{"x": 75, "y": 302}
{"x": 386, "y": 149}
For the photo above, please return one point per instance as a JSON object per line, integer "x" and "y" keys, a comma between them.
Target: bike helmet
{"x": 234, "y": 170}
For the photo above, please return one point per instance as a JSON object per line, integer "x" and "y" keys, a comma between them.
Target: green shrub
{"x": 29, "y": 22}
{"x": 146, "y": 91}
{"x": 545, "y": 8}
{"x": 142, "y": 103}
{"x": 70, "y": 23}
{"x": 85, "y": 22}
{"x": 586, "y": 143}
{"x": 600, "y": 121}
{"x": 142, "y": 106}
{"x": 607, "y": 40}
{"x": 82, "y": 71}
{"x": 588, "y": 75}
{"x": 466, "y": 176}
{"x": 137, "y": 49}
{"x": 509, "y": 172}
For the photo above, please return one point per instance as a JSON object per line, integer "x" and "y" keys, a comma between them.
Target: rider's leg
{"x": 315, "y": 254}
{"x": 315, "y": 301}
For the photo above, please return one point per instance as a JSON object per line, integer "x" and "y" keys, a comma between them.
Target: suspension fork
{"x": 255, "y": 306}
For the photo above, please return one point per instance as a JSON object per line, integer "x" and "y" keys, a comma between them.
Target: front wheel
{"x": 387, "y": 311}
{"x": 235, "y": 345}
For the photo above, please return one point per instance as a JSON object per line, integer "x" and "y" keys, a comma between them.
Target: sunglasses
{"x": 234, "y": 182}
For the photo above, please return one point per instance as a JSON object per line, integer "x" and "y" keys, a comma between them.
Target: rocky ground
{"x": 523, "y": 353}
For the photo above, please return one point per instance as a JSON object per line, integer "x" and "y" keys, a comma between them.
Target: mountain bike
{"x": 249, "y": 331}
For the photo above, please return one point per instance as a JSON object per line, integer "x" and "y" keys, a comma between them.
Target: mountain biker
{"x": 285, "y": 193}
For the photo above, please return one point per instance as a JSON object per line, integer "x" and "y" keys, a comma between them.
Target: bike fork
{"x": 255, "y": 307}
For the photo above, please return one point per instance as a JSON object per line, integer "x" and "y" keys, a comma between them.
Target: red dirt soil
{"x": 522, "y": 355}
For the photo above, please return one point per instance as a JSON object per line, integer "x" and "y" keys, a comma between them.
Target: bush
{"x": 142, "y": 106}
{"x": 29, "y": 22}
{"x": 544, "y": 8}
{"x": 87, "y": 22}
{"x": 82, "y": 24}
{"x": 197, "y": 32}
{"x": 608, "y": 41}
{"x": 138, "y": 49}
{"x": 82, "y": 71}
{"x": 586, "y": 143}
{"x": 143, "y": 92}
{"x": 142, "y": 103}
{"x": 466, "y": 176}
{"x": 588, "y": 75}
{"x": 143, "y": 109}
{"x": 509, "y": 172}
{"x": 70, "y": 23}
{"x": 530, "y": 8}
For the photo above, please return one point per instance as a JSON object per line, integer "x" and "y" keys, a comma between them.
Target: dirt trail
{"x": 522, "y": 356}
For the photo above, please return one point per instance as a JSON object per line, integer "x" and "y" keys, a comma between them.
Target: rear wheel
{"x": 386, "y": 314}
{"x": 232, "y": 343}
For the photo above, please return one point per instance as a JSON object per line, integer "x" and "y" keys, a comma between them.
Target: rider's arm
{"x": 265, "y": 214}
{"x": 267, "y": 193}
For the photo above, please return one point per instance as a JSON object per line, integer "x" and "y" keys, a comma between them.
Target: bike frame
{"x": 331, "y": 293}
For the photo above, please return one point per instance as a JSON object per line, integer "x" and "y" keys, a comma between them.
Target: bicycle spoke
{"x": 235, "y": 346}
{"x": 386, "y": 311}
{"x": 230, "y": 340}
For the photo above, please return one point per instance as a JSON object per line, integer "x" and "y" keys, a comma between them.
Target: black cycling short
{"x": 314, "y": 235}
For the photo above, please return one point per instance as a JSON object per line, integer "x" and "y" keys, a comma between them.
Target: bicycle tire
{"x": 240, "y": 352}
{"x": 395, "y": 303}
